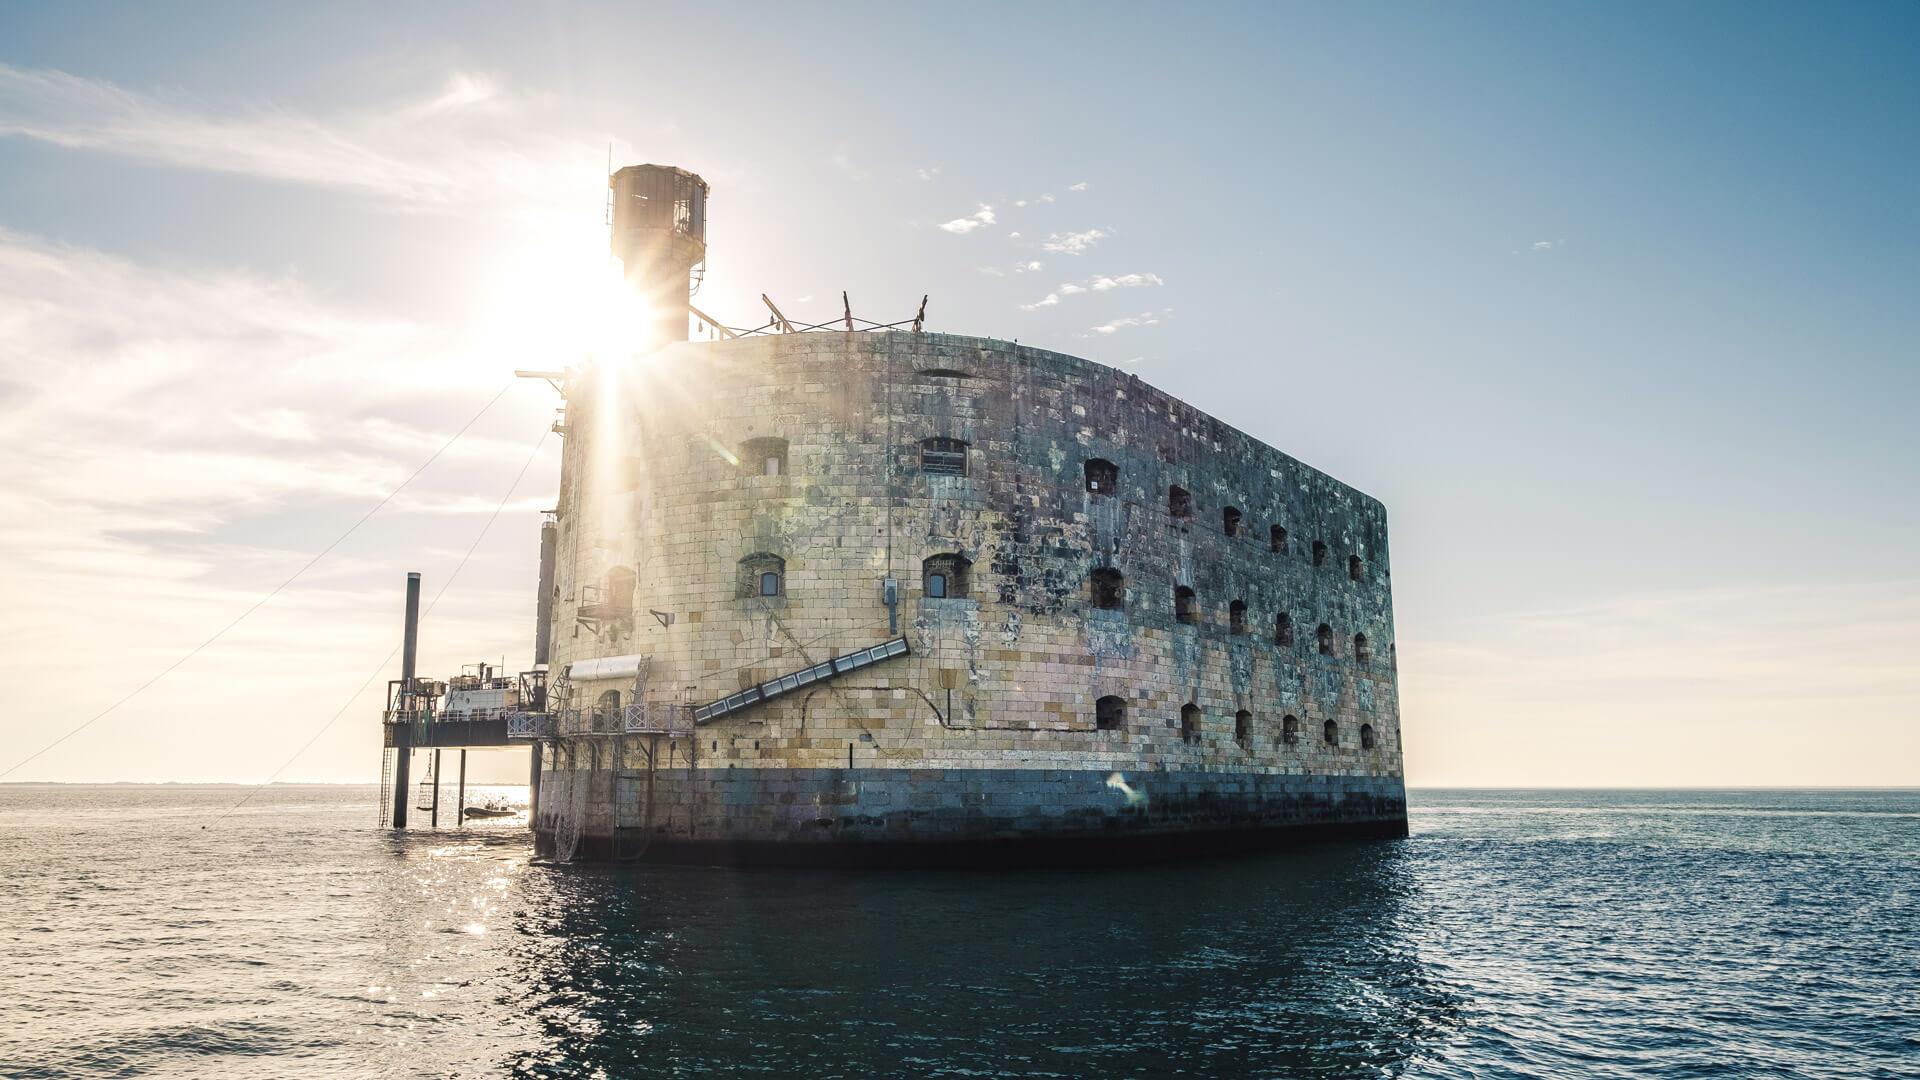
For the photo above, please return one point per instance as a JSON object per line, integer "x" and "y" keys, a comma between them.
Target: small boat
{"x": 490, "y": 809}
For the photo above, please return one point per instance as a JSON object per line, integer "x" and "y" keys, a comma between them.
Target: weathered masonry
{"x": 896, "y": 595}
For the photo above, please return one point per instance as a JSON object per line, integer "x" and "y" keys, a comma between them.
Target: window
{"x": 1362, "y": 652}
{"x": 1325, "y": 636}
{"x": 764, "y": 457}
{"x": 1330, "y": 733}
{"x": 1190, "y": 722}
{"x": 1109, "y": 589}
{"x": 606, "y": 710}
{"x": 1230, "y": 521}
{"x": 943, "y": 457}
{"x": 1237, "y": 617}
{"x": 1243, "y": 728}
{"x": 1110, "y": 713}
{"x": 944, "y": 576}
{"x": 1356, "y": 569}
{"x": 1103, "y": 476}
{"x": 1277, "y": 538}
{"x": 1319, "y": 553}
{"x": 1179, "y": 502}
{"x": 1289, "y": 729}
{"x": 1185, "y": 608}
{"x": 1366, "y": 737}
{"x": 761, "y": 574}
{"x": 1283, "y": 629}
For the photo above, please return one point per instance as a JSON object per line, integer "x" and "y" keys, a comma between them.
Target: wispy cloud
{"x": 1081, "y": 186}
{"x": 471, "y": 142}
{"x": 926, "y": 172}
{"x": 1074, "y": 243}
{"x": 1145, "y": 318}
{"x": 1102, "y": 283}
{"x": 977, "y": 220}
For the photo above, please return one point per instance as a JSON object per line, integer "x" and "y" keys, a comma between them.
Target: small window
{"x": 1356, "y": 568}
{"x": 943, "y": 576}
{"x": 943, "y": 457}
{"x": 1185, "y": 607}
{"x": 1362, "y": 652}
{"x": 1109, "y": 589}
{"x": 1289, "y": 729}
{"x": 1243, "y": 728}
{"x": 1319, "y": 553}
{"x": 1277, "y": 538}
{"x": 1325, "y": 636}
{"x": 1283, "y": 629}
{"x": 1237, "y": 617}
{"x": 1179, "y": 502}
{"x": 1110, "y": 713}
{"x": 1190, "y": 722}
{"x": 761, "y": 574}
{"x": 1230, "y": 521}
{"x": 1366, "y": 736}
{"x": 1103, "y": 476}
{"x": 764, "y": 457}
{"x": 1330, "y": 733}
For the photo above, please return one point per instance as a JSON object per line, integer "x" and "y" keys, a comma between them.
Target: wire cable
{"x": 375, "y": 673}
{"x": 218, "y": 634}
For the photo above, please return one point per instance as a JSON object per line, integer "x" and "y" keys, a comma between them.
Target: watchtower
{"x": 659, "y": 218}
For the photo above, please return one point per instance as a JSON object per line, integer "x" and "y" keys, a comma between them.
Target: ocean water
{"x": 1554, "y": 934}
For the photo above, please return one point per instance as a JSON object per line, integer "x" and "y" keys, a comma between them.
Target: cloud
{"x": 1074, "y": 243}
{"x": 1145, "y": 318}
{"x": 1102, "y": 283}
{"x": 926, "y": 173}
{"x": 174, "y": 454}
{"x": 1081, "y": 186}
{"x": 976, "y": 220}
{"x": 469, "y": 143}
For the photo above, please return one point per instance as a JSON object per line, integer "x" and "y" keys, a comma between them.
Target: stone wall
{"x": 1007, "y": 676}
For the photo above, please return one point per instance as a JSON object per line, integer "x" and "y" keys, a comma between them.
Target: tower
{"x": 660, "y": 235}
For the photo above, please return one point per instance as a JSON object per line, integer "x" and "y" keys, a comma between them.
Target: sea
{"x": 215, "y": 932}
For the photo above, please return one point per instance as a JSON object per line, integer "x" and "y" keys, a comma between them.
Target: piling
{"x": 403, "y": 732}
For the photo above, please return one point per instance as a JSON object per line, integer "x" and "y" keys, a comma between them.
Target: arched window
{"x": 1237, "y": 617}
{"x": 1103, "y": 476}
{"x": 943, "y": 457}
{"x": 761, "y": 574}
{"x": 1319, "y": 553}
{"x": 1366, "y": 737}
{"x": 606, "y": 710}
{"x": 1277, "y": 538}
{"x": 765, "y": 456}
{"x": 1289, "y": 729}
{"x": 1179, "y": 502}
{"x": 1356, "y": 569}
{"x": 1283, "y": 629}
{"x": 1190, "y": 722}
{"x": 1185, "y": 608}
{"x": 1110, "y": 713}
{"x": 1362, "y": 652}
{"x": 1109, "y": 588}
{"x": 1325, "y": 635}
{"x": 943, "y": 576}
{"x": 1230, "y": 520}
{"x": 1330, "y": 733}
{"x": 1243, "y": 728}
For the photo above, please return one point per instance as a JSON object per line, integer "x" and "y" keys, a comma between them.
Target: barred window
{"x": 943, "y": 457}
{"x": 1289, "y": 729}
{"x": 943, "y": 576}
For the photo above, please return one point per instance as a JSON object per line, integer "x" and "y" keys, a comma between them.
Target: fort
{"x": 894, "y": 596}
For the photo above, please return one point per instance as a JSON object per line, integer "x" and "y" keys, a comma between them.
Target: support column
{"x": 533, "y": 785}
{"x": 460, "y": 798}
{"x": 402, "y": 703}
{"x": 433, "y": 817}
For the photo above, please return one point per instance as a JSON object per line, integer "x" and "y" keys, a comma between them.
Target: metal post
{"x": 403, "y": 733}
{"x": 434, "y": 814}
{"x": 533, "y": 785}
{"x": 460, "y": 815}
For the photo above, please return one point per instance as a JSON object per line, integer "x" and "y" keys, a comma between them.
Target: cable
{"x": 218, "y": 634}
{"x": 431, "y": 604}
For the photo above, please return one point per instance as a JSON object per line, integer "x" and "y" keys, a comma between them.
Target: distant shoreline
{"x": 1411, "y": 787}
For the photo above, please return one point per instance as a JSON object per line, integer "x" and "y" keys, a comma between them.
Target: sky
{"x": 1612, "y": 305}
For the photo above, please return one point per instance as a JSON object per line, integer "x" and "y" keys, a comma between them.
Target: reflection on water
{"x": 1567, "y": 933}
